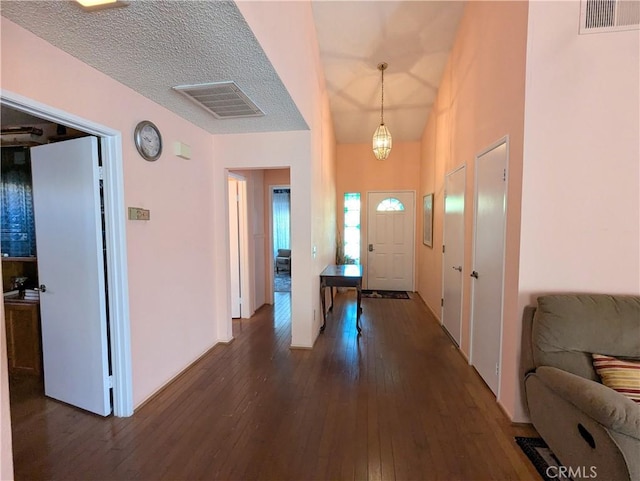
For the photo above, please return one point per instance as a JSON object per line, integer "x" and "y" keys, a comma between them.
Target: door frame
{"x": 413, "y": 234}
{"x": 498, "y": 143}
{"x": 444, "y": 230}
{"x": 116, "y": 259}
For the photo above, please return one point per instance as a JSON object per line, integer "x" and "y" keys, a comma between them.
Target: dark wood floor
{"x": 397, "y": 403}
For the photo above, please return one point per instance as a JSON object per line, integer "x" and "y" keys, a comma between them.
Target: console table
{"x": 340, "y": 276}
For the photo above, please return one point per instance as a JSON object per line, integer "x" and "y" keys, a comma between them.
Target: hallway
{"x": 397, "y": 403}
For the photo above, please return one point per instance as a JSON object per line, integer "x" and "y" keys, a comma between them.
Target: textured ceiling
{"x": 152, "y": 46}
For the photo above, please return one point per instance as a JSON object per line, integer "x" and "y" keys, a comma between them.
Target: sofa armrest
{"x": 606, "y": 406}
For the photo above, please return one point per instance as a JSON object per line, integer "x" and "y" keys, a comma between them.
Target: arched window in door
{"x": 390, "y": 204}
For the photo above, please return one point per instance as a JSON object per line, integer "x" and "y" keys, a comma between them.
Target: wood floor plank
{"x": 398, "y": 402}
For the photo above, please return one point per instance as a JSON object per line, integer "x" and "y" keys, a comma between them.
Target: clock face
{"x": 148, "y": 140}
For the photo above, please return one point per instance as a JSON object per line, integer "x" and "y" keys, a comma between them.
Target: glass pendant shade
{"x": 382, "y": 142}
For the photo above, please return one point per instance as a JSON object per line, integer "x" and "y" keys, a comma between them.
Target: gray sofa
{"x": 585, "y": 423}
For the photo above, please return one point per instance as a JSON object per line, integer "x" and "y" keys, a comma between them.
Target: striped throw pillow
{"x": 619, "y": 374}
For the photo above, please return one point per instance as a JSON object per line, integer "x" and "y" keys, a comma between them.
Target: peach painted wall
{"x": 271, "y": 177}
{"x": 479, "y": 102}
{"x": 581, "y": 189}
{"x": 357, "y": 170}
{"x": 167, "y": 333}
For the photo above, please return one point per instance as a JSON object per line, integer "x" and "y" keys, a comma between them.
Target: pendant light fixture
{"x": 382, "y": 137}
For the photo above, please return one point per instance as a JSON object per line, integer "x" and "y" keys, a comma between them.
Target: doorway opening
{"x": 114, "y": 240}
{"x": 281, "y": 237}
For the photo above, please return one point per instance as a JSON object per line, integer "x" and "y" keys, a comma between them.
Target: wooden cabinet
{"x": 24, "y": 349}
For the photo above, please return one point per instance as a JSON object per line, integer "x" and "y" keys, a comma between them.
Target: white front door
{"x": 391, "y": 240}
{"x": 234, "y": 248}
{"x": 488, "y": 263}
{"x": 453, "y": 253}
{"x": 67, "y": 208}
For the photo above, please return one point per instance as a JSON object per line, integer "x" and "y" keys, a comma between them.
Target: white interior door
{"x": 391, "y": 240}
{"x": 66, "y": 197}
{"x": 453, "y": 253}
{"x": 488, "y": 263}
{"x": 234, "y": 248}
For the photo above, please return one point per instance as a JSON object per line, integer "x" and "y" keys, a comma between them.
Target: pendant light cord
{"x": 382, "y": 97}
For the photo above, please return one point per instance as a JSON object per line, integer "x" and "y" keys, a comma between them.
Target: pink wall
{"x": 581, "y": 190}
{"x": 167, "y": 333}
{"x": 480, "y": 101}
{"x": 357, "y": 170}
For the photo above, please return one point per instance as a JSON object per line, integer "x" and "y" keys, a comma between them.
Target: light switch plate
{"x": 137, "y": 213}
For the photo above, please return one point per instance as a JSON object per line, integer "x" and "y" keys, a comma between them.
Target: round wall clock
{"x": 148, "y": 140}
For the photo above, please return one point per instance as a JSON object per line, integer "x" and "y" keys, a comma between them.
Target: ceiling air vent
{"x": 598, "y": 16}
{"x": 224, "y": 100}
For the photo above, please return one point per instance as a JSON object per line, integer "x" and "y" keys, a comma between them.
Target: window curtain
{"x": 16, "y": 204}
{"x": 281, "y": 219}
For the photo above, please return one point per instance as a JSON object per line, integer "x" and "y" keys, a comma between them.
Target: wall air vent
{"x": 597, "y": 16}
{"x": 224, "y": 100}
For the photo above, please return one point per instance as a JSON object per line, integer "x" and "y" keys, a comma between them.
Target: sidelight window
{"x": 352, "y": 228}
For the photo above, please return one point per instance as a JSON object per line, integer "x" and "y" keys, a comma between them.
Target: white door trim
{"x": 503, "y": 140}
{"x": 117, "y": 282}
{"x": 413, "y": 224}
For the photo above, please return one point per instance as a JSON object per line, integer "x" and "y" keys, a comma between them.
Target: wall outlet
{"x": 137, "y": 213}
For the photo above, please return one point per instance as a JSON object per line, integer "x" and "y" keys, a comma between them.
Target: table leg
{"x": 324, "y": 312}
{"x": 331, "y": 290}
{"x": 359, "y": 309}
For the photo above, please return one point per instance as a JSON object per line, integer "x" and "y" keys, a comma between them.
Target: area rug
{"x": 282, "y": 282}
{"x": 542, "y": 458}
{"x": 377, "y": 294}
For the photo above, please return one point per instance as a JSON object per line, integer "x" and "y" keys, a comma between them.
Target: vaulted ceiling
{"x": 152, "y": 46}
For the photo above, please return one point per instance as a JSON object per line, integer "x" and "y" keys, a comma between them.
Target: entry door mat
{"x": 542, "y": 458}
{"x": 384, "y": 294}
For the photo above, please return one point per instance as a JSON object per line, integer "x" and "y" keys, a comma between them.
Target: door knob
{"x": 474, "y": 274}
{"x": 370, "y": 247}
{"x": 459, "y": 268}
{"x": 42, "y": 288}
